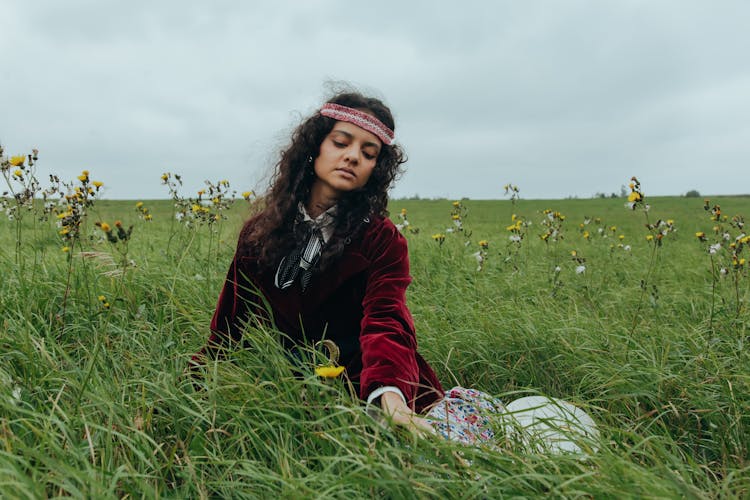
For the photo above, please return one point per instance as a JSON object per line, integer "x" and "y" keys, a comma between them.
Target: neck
{"x": 319, "y": 200}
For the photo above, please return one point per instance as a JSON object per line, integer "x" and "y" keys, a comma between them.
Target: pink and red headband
{"x": 360, "y": 119}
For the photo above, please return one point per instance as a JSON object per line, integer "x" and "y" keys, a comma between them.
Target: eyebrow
{"x": 350, "y": 136}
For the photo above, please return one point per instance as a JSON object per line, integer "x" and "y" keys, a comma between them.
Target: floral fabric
{"x": 464, "y": 415}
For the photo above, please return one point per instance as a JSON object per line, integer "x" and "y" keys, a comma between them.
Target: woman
{"x": 328, "y": 261}
{"x": 328, "y": 265}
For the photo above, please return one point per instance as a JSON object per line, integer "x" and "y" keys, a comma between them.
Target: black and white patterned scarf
{"x": 301, "y": 260}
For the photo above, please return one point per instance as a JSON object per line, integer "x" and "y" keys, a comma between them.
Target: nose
{"x": 351, "y": 155}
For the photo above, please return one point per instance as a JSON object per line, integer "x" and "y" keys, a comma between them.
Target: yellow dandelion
{"x": 17, "y": 161}
{"x": 586, "y": 234}
{"x": 634, "y": 196}
{"x": 85, "y": 172}
{"x": 65, "y": 249}
{"x": 18, "y": 173}
{"x": 139, "y": 204}
{"x": 83, "y": 178}
{"x": 147, "y": 217}
{"x": 98, "y": 184}
{"x": 484, "y": 243}
{"x": 649, "y": 237}
{"x": 247, "y": 194}
{"x": 328, "y": 371}
{"x": 573, "y": 253}
{"x": 164, "y": 177}
{"x": 64, "y": 231}
{"x": 62, "y": 215}
{"x": 456, "y": 217}
{"x": 456, "y": 204}
{"x": 105, "y": 227}
{"x": 216, "y": 201}
{"x": 622, "y": 237}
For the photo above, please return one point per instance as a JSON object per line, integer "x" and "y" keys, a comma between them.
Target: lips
{"x": 347, "y": 171}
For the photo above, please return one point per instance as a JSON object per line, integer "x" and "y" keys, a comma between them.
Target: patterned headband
{"x": 360, "y": 119}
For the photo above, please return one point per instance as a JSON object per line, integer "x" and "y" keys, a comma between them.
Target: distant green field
{"x": 650, "y": 339}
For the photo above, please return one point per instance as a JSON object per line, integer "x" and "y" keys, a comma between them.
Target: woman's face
{"x": 346, "y": 160}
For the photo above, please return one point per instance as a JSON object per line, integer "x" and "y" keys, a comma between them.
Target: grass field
{"x": 650, "y": 338}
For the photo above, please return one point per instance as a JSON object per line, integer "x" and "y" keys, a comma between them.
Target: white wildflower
{"x": 580, "y": 269}
{"x": 626, "y": 248}
{"x": 514, "y": 238}
{"x": 558, "y": 269}
{"x": 714, "y": 248}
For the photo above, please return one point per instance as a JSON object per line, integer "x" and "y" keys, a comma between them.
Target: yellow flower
{"x": 85, "y": 172}
{"x": 573, "y": 253}
{"x": 102, "y": 298}
{"x": 164, "y": 177}
{"x": 456, "y": 204}
{"x": 139, "y": 204}
{"x": 17, "y": 161}
{"x": 328, "y": 371}
{"x": 196, "y": 208}
{"x": 83, "y": 178}
{"x": 64, "y": 231}
{"x": 105, "y": 227}
{"x": 456, "y": 217}
{"x": 622, "y": 237}
{"x": 438, "y": 237}
{"x": 18, "y": 173}
{"x": 403, "y": 211}
{"x": 62, "y": 215}
{"x": 147, "y": 217}
{"x": 65, "y": 249}
{"x": 98, "y": 184}
{"x": 247, "y": 194}
{"x": 216, "y": 201}
{"x": 586, "y": 234}
{"x": 649, "y": 237}
{"x": 201, "y": 192}
{"x": 484, "y": 243}
{"x": 634, "y": 196}
{"x": 631, "y": 185}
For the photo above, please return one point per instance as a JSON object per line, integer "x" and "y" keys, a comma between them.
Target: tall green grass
{"x": 94, "y": 402}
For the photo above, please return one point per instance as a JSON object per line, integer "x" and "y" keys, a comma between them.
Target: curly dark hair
{"x": 271, "y": 234}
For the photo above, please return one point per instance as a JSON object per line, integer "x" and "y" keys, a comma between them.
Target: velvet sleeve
{"x": 387, "y": 338}
{"x": 229, "y": 316}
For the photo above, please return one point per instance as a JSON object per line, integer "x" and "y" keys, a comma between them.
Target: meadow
{"x": 639, "y": 316}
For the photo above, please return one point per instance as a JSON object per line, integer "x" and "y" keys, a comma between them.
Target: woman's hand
{"x": 400, "y": 414}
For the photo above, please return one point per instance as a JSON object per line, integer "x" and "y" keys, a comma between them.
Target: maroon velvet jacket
{"x": 360, "y": 304}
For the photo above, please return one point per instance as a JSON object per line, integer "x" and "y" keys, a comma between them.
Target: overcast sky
{"x": 562, "y": 98}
